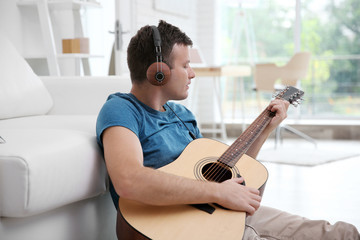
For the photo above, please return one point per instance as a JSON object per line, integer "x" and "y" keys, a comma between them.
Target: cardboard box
{"x": 75, "y": 45}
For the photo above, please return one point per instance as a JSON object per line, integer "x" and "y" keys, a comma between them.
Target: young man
{"x": 142, "y": 131}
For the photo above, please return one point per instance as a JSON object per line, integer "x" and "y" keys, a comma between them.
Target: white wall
{"x": 198, "y": 18}
{"x": 195, "y": 17}
{"x": 11, "y": 23}
{"x": 207, "y": 29}
{"x": 150, "y": 12}
{"x": 145, "y": 12}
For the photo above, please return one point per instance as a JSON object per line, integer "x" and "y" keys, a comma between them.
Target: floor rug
{"x": 300, "y": 152}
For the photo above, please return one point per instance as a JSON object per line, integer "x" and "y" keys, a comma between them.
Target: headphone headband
{"x": 156, "y": 36}
{"x": 157, "y": 43}
{"x": 158, "y": 73}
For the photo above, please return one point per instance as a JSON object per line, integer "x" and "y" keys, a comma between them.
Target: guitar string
{"x": 219, "y": 170}
{"x": 220, "y": 176}
{"x": 215, "y": 168}
{"x": 232, "y": 158}
{"x": 244, "y": 138}
{"x": 249, "y": 132}
{"x": 249, "y": 135}
{"x": 212, "y": 170}
{"x": 227, "y": 158}
{"x": 268, "y": 115}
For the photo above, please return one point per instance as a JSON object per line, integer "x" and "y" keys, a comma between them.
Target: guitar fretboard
{"x": 232, "y": 155}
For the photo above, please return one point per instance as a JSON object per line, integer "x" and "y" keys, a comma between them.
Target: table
{"x": 224, "y": 71}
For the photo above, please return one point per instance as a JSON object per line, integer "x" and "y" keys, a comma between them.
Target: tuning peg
{"x": 295, "y": 104}
{"x": 276, "y": 93}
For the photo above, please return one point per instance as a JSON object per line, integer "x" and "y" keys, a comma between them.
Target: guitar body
{"x": 186, "y": 221}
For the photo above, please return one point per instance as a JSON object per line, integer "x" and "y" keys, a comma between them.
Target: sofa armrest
{"x": 83, "y": 95}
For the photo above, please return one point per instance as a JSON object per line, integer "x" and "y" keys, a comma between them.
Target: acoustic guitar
{"x": 204, "y": 160}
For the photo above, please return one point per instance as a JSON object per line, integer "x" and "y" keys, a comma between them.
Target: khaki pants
{"x": 268, "y": 223}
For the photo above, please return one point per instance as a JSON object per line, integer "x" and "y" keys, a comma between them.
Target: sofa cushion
{"x": 83, "y": 123}
{"x": 22, "y": 93}
{"x": 42, "y": 169}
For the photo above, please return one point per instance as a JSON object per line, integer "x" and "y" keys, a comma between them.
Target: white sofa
{"x": 53, "y": 180}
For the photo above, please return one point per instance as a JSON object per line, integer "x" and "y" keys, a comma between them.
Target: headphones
{"x": 158, "y": 73}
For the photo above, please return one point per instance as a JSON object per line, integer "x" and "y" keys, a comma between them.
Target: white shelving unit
{"x": 44, "y": 10}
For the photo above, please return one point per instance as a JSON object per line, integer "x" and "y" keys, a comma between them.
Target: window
{"x": 263, "y": 31}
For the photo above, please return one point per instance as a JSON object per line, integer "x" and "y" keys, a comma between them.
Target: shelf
{"x": 78, "y": 55}
{"x": 44, "y": 9}
{"x": 63, "y": 56}
{"x": 62, "y": 4}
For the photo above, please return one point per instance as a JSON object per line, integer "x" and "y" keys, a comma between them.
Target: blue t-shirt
{"x": 162, "y": 135}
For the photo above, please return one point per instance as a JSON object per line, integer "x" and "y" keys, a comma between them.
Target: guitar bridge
{"x": 204, "y": 207}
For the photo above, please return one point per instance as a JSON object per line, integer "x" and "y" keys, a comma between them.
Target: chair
{"x": 295, "y": 69}
{"x": 266, "y": 76}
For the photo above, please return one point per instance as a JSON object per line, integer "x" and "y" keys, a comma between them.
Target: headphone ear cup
{"x": 158, "y": 73}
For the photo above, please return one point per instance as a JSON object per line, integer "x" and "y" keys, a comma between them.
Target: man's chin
{"x": 181, "y": 97}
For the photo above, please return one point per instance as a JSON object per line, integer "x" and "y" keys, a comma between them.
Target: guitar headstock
{"x": 291, "y": 94}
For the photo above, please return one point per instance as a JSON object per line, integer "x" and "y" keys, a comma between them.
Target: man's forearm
{"x": 155, "y": 187}
{"x": 254, "y": 150}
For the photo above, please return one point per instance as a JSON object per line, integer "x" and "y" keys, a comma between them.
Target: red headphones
{"x": 158, "y": 73}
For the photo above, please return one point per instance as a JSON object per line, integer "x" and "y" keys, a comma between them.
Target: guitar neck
{"x": 232, "y": 155}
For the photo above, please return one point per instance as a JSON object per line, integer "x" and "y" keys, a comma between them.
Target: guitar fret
{"x": 242, "y": 144}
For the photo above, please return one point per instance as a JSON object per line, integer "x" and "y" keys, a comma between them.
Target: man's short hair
{"x": 141, "y": 49}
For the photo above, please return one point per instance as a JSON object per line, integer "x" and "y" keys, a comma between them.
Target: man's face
{"x": 181, "y": 73}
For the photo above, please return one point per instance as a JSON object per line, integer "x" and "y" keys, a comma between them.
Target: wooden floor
{"x": 329, "y": 191}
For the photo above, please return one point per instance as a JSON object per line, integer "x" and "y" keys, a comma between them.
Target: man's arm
{"x": 124, "y": 160}
{"x": 280, "y": 107}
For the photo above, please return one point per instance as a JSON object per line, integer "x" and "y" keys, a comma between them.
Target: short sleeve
{"x": 117, "y": 112}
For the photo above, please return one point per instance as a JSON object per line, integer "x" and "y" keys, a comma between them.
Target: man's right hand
{"x": 235, "y": 196}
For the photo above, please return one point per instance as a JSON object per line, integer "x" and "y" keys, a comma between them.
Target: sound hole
{"x": 216, "y": 172}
